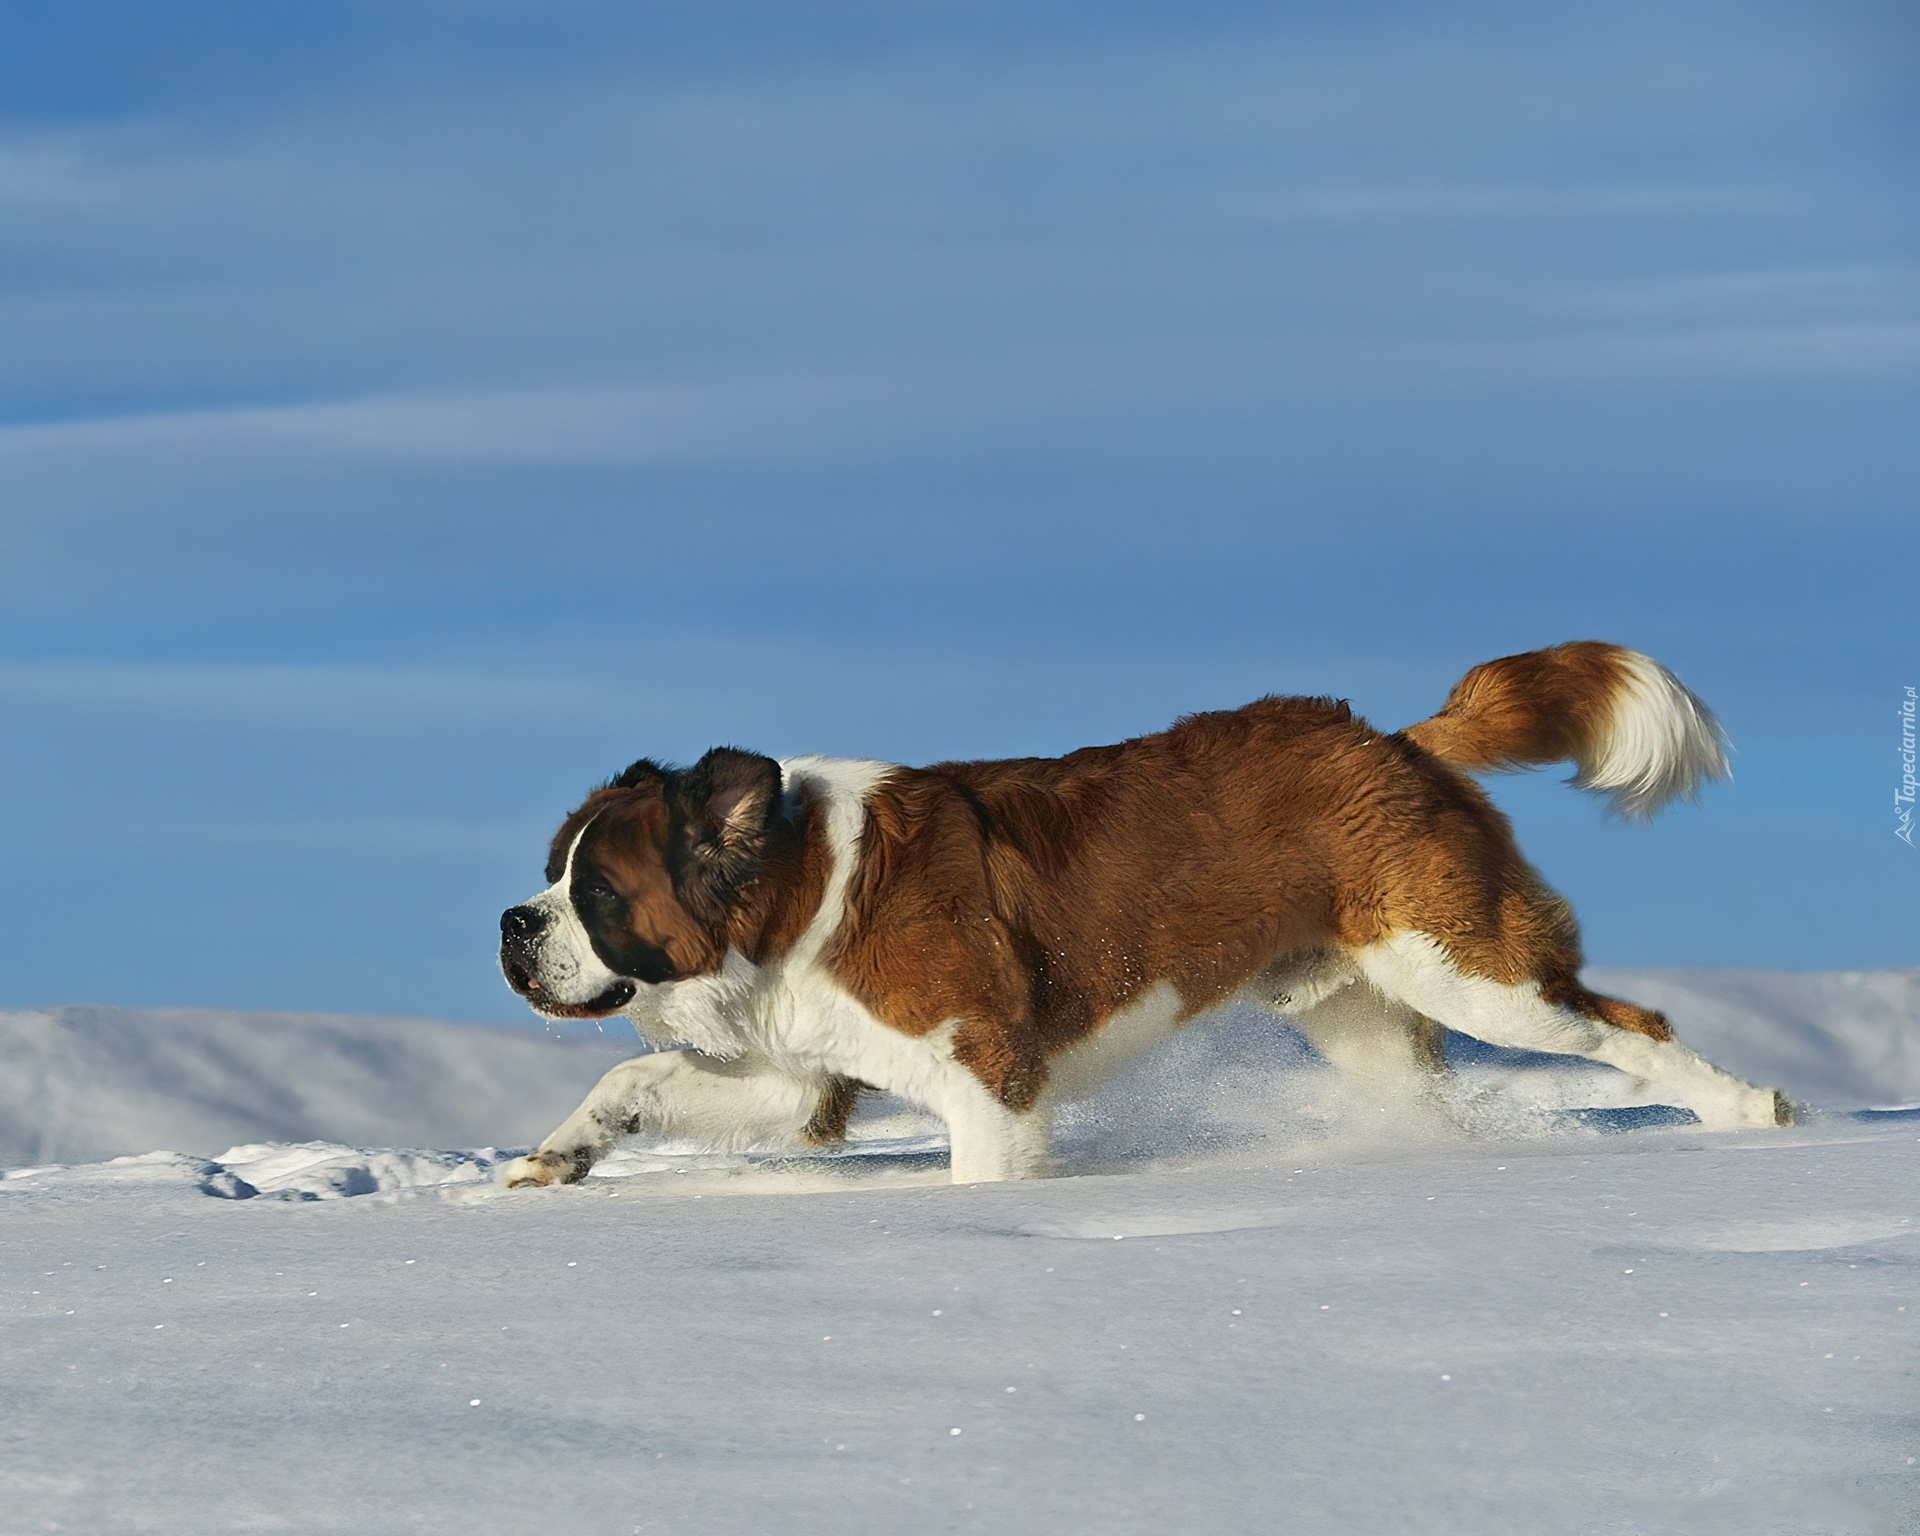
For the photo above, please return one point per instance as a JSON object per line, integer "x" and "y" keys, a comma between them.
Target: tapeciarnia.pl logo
{"x": 1903, "y": 796}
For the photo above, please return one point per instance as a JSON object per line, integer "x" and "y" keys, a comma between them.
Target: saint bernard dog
{"x": 990, "y": 939}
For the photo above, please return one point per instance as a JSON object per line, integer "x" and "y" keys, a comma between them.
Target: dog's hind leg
{"x": 1366, "y": 1034}
{"x": 721, "y": 1106}
{"x": 1418, "y": 970}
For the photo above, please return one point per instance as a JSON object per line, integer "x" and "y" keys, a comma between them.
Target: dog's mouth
{"x": 612, "y": 1000}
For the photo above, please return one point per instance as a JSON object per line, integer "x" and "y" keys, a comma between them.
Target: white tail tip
{"x": 1659, "y": 743}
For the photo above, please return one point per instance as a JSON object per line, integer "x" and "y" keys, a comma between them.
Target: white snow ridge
{"x": 1255, "y": 1296}
{"x": 85, "y": 1084}
{"x": 310, "y": 1170}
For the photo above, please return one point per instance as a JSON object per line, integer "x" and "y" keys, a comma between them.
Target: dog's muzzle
{"x": 520, "y": 930}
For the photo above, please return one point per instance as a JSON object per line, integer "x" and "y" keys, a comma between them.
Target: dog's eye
{"x": 595, "y": 890}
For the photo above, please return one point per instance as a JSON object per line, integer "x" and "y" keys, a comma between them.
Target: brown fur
{"x": 1032, "y": 899}
{"x": 628, "y": 841}
{"x": 784, "y": 897}
{"x": 830, "y": 1117}
{"x": 1521, "y": 711}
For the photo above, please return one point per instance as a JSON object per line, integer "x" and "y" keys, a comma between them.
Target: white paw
{"x": 1751, "y": 1107}
{"x": 1766, "y": 1106}
{"x": 540, "y": 1167}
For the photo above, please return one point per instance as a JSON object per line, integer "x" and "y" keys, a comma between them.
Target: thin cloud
{"x": 1658, "y": 333}
{"x": 1855, "y": 293}
{"x": 1465, "y": 203}
{"x": 620, "y": 424}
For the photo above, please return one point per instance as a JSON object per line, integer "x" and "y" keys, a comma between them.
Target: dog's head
{"x": 640, "y": 881}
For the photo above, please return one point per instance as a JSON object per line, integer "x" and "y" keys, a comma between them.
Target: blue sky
{"x": 409, "y": 413}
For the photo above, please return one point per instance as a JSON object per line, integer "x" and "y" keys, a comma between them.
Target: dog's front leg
{"x": 991, "y": 1142}
{"x": 719, "y": 1106}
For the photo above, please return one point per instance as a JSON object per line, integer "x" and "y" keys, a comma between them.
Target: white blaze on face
{"x": 565, "y": 964}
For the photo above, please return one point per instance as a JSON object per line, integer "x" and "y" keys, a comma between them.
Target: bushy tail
{"x": 1630, "y": 726}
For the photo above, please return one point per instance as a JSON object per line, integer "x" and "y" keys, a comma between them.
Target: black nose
{"x": 521, "y": 922}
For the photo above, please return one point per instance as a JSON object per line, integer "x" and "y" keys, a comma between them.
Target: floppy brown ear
{"x": 740, "y": 789}
{"x": 728, "y": 801}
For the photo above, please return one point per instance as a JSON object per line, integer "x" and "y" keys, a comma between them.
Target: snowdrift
{"x": 83, "y": 1085}
{"x": 1845, "y": 1039}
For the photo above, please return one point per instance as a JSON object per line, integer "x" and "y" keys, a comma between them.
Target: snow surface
{"x": 1835, "y": 1037}
{"x": 1258, "y": 1298}
{"x": 84, "y": 1084}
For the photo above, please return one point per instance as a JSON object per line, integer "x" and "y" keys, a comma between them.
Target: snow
{"x": 1839, "y": 1037}
{"x": 85, "y": 1084}
{"x": 1256, "y": 1299}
